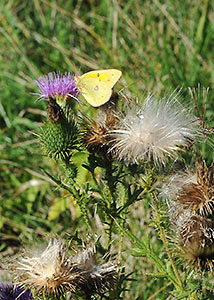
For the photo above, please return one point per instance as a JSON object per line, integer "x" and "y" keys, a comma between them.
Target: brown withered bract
{"x": 190, "y": 200}
{"x": 195, "y": 242}
{"x": 98, "y": 277}
{"x": 198, "y": 196}
{"x": 54, "y": 110}
{"x": 95, "y": 132}
{"x": 95, "y": 135}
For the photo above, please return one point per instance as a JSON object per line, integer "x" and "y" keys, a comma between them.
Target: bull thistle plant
{"x": 131, "y": 153}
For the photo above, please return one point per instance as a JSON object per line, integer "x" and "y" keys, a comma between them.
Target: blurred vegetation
{"x": 158, "y": 45}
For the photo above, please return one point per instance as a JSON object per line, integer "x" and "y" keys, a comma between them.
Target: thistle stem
{"x": 109, "y": 233}
{"x": 163, "y": 238}
{"x": 121, "y": 233}
{"x": 108, "y": 203}
{"x": 76, "y": 193}
{"x": 165, "y": 243}
{"x": 111, "y": 204}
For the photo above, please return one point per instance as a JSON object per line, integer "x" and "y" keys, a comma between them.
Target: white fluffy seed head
{"x": 155, "y": 132}
{"x": 49, "y": 272}
{"x": 53, "y": 271}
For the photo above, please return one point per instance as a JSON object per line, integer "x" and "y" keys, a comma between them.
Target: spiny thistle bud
{"x": 60, "y": 87}
{"x": 192, "y": 190}
{"x": 95, "y": 133}
{"x": 194, "y": 242}
{"x": 49, "y": 273}
{"x": 155, "y": 131}
{"x": 11, "y": 292}
{"x": 98, "y": 278}
{"x": 59, "y": 139}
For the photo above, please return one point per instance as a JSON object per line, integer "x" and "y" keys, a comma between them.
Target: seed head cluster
{"x": 190, "y": 198}
{"x": 54, "y": 271}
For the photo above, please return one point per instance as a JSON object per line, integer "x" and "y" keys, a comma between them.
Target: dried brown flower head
{"x": 193, "y": 191}
{"x": 95, "y": 136}
{"x": 95, "y": 132}
{"x": 195, "y": 242}
{"x": 199, "y": 196}
{"x": 48, "y": 273}
{"x": 53, "y": 272}
{"x": 98, "y": 278}
{"x": 190, "y": 199}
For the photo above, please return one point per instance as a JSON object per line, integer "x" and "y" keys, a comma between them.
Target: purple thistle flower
{"x": 10, "y": 292}
{"x": 57, "y": 86}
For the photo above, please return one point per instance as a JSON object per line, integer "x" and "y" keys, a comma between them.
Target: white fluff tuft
{"x": 49, "y": 272}
{"x": 155, "y": 132}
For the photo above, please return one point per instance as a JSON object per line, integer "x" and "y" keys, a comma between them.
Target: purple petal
{"x": 57, "y": 85}
{"x": 10, "y": 292}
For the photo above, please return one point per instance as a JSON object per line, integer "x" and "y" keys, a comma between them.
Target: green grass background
{"x": 158, "y": 45}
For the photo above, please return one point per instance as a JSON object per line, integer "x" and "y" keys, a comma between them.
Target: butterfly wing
{"x": 96, "y": 86}
{"x": 110, "y": 76}
{"x": 95, "y": 90}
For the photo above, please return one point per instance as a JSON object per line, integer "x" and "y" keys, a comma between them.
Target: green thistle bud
{"x": 59, "y": 139}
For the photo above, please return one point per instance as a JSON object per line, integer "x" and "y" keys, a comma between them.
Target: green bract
{"x": 59, "y": 139}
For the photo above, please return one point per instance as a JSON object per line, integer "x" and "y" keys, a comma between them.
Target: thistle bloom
{"x": 155, "y": 131}
{"x": 48, "y": 273}
{"x": 10, "y": 292}
{"x": 57, "y": 86}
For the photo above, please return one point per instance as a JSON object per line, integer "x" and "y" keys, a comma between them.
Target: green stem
{"x": 78, "y": 197}
{"x": 109, "y": 233}
{"x": 121, "y": 233}
{"x": 120, "y": 244}
{"x": 98, "y": 186}
{"x": 108, "y": 203}
{"x": 163, "y": 237}
{"x": 165, "y": 243}
{"x": 111, "y": 204}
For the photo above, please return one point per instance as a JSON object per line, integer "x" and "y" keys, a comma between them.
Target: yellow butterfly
{"x": 96, "y": 86}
